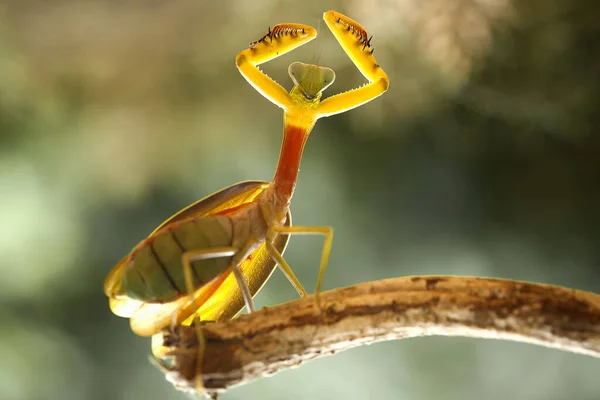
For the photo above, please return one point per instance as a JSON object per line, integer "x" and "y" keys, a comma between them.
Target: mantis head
{"x": 311, "y": 79}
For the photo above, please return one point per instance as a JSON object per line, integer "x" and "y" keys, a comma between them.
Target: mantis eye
{"x": 311, "y": 79}
{"x": 327, "y": 77}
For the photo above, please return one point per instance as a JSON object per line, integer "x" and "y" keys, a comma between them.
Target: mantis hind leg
{"x": 186, "y": 261}
{"x": 303, "y": 230}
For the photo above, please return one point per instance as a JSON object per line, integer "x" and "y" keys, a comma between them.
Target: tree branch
{"x": 285, "y": 336}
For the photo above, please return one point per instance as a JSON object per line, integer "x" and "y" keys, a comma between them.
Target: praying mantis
{"x": 208, "y": 260}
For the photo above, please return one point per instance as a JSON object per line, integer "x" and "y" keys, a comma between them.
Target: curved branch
{"x": 273, "y": 339}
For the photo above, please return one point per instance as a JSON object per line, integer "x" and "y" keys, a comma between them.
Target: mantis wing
{"x": 220, "y": 298}
{"x": 225, "y": 301}
{"x": 218, "y": 202}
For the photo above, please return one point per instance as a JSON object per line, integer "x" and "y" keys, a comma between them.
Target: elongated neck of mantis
{"x": 295, "y": 133}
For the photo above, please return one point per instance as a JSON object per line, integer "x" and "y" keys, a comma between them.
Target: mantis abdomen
{"x": 154, "y": 271}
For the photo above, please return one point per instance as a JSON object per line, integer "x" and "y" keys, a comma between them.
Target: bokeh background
{"x": 482, "y": 159}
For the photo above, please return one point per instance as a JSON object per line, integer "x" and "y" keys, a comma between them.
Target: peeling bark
{"x": 285, "y": 336}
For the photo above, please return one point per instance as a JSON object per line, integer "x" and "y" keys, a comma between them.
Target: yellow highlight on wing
{"x": 150, "y": 318}
{"x": 227, "y": 301}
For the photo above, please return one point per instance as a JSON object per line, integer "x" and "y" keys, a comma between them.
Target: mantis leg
{"x": 285, "y": 268}
{"x": 278, "y": 41}
{"x": 303, "y": 230}
{"x": 186, "y": 261}
{"x": 202, "y": 254}
{"x": 355, "y": 42}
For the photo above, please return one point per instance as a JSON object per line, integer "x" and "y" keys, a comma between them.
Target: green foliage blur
{"x": 482, "y": 159}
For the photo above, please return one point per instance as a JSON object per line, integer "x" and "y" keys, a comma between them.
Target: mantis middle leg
{"x": 303, "y": 230}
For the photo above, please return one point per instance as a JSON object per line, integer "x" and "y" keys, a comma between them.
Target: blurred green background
{"x": 482, "y": 159}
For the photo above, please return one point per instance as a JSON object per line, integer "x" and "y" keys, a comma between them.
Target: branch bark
{"x": 285, "y": 336}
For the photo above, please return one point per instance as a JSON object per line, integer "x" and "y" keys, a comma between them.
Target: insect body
{"x": 209, "y": 259}
{"x": 148, "y": 286}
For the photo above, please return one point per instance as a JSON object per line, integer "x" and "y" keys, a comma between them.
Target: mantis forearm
{"x": 354, "y": 40}
{"x": 282, "y": 39}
